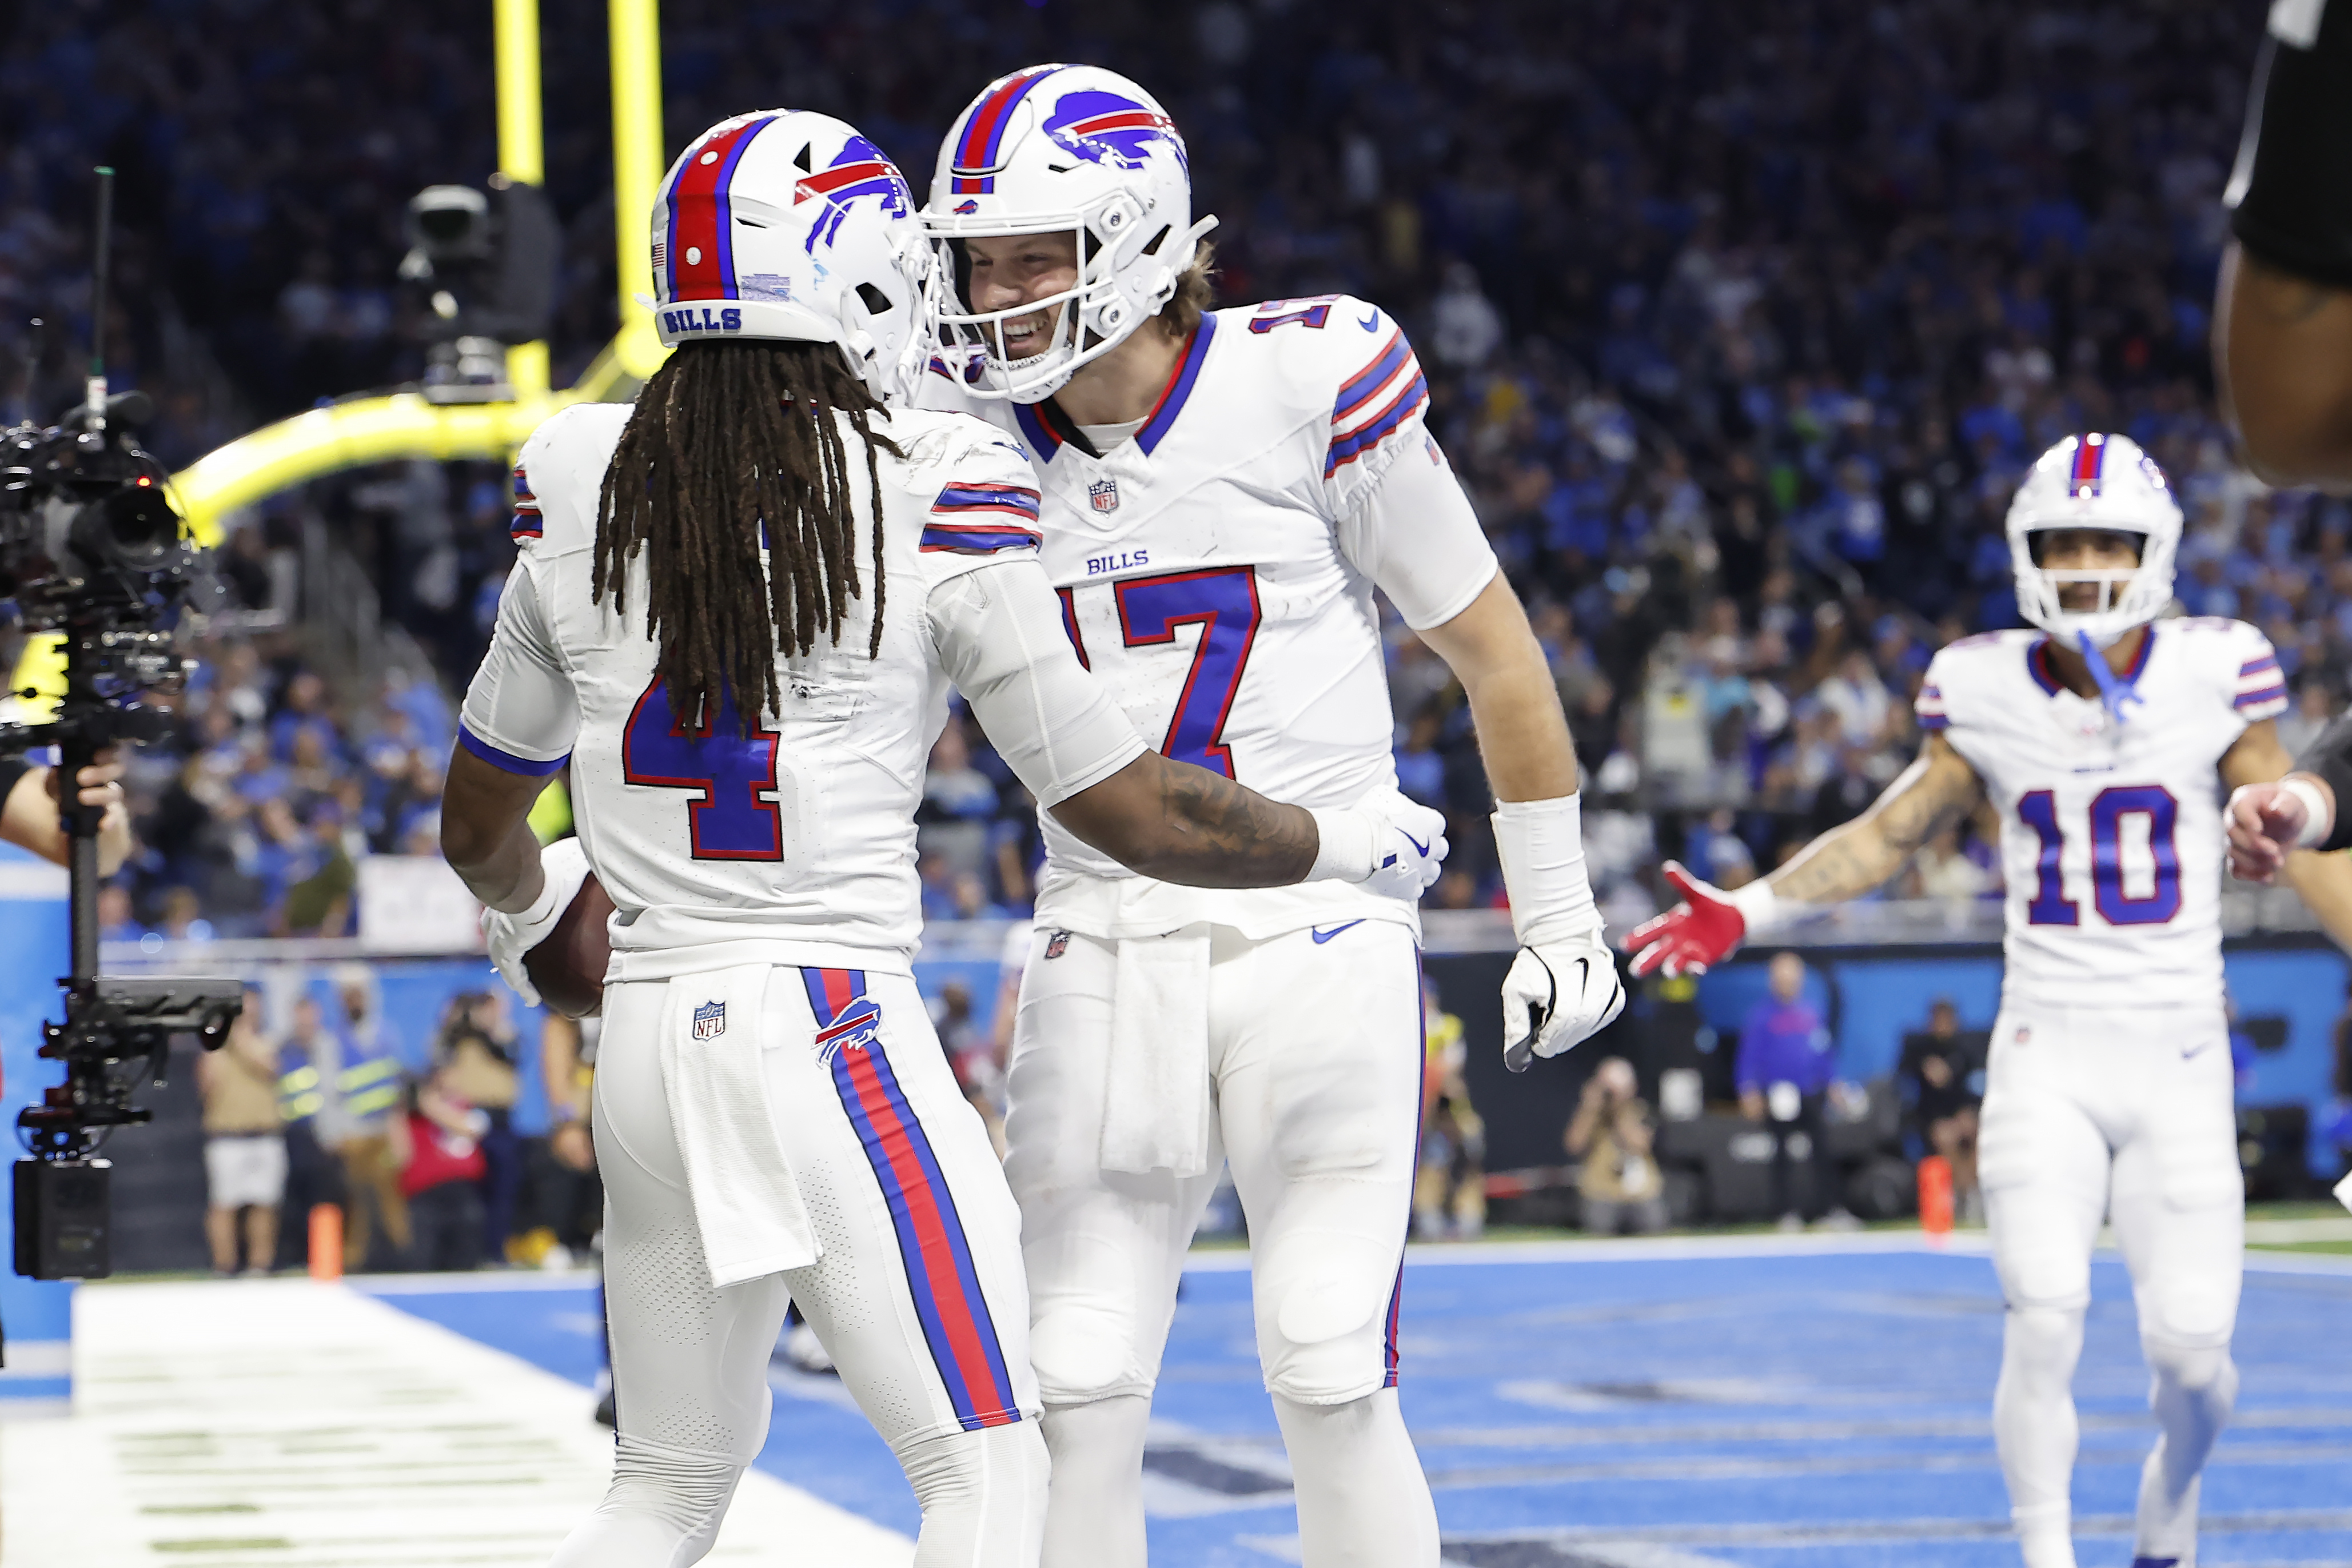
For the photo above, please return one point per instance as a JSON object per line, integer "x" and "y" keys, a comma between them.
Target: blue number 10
{"x": 2038, "y": 810}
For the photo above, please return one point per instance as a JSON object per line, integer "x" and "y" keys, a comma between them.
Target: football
{"x": 569, "y": 967}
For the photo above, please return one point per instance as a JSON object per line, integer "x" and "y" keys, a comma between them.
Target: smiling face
{"x": 2064, "y": 550}
{"x": 1006, "y": 271}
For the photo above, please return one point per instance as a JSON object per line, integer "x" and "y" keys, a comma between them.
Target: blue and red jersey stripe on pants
{"x": 939, "y": 1272}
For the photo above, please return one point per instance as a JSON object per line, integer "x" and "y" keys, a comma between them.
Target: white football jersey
{"x": 1216, "y": 568}
{"x": 796, "y": 842}
{"x": 2111, "y": 834}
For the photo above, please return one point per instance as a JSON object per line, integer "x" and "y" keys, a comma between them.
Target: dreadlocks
{"x": 728, "y": 440}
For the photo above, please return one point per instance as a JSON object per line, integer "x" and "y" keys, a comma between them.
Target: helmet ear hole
{"x": 876, "y": 300}
{"x": 801, "y": 158}
{"x": 1153, "y": 248}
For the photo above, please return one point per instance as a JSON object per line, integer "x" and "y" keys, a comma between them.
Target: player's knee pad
{"x": 2040, "y": 1345}
{"x": 1083, "y": 1349}
{"x": 2195, "y": 1312}
{"x": 2204, "y": 1372}
{"x": 687, "y": 1492}
{"x": 982, "y": 1495}
{"x": 1324, "y": 1298}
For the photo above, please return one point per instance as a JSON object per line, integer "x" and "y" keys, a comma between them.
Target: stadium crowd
{"x": 1741, "y": 323}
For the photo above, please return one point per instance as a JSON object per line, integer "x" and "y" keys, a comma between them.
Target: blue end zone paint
{"x": 1828, "y": 1409}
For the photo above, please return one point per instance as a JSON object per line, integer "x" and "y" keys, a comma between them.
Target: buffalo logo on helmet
{"x": 860, "y": 169}
{"x": 1104, "y": 495}
{"x": 857, "y": 1028}
{"x": 1106, "y": 128}
{"x": 710, "y": 1021}
{"x": 966, "y": 207}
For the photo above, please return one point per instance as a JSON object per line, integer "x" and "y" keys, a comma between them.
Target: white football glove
{"x": 509, "y": 936}
{"x": 1557, "y": 995}
{"x": 1390, "y": 844}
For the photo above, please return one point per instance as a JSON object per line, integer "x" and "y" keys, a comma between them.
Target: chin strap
{"x": 2114, "y": 690}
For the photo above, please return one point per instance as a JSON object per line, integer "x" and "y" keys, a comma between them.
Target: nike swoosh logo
{"x": 1371, "y": 323}
{"x": 1323, "y": 937}
{"x": 1416, "y": 844}
{"x": 2193, "y": 1055}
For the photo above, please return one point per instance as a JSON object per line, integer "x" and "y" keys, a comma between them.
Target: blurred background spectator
{"x": 244, "y": 1145}
{"x": 1940, "y": 1079}
{"x": 1785, "y": 1071}
{"x": 438, "y": 1143}
{"x": 1612, "y": 1135}
{"x": 474, "y": 1064}
{"x": 1449, "y": 1202}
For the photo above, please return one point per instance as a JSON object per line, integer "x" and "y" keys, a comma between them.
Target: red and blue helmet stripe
{"x": 940, "y": 1273}
{"x": 2090, "y": 466}
{"x": 980, "y": 149}
{"x": 698, "y": 257}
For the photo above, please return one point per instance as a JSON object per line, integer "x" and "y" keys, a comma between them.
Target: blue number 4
{"x": 733, "y": 775}
{"x": 1224, "y": 605}
{"x": 2050, "y": 905}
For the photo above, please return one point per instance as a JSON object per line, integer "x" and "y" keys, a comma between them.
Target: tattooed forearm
{"x": 1181, "y": 824}
{"x": 1213, "y": 832}
{"x": 1848, "y": 862}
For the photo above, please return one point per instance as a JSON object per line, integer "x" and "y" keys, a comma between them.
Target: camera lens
{"x": 134, "y": 527}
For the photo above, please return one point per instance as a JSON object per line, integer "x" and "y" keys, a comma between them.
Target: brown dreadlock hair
{"x": 725, "y": 438}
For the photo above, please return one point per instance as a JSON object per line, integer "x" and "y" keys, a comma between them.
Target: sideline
{"x": 234, "y": 1423}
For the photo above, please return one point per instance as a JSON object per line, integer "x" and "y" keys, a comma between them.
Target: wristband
{"x": 2329, "y": 760}
{"x": 1541, "y": 846}
{"x": 536, "y": 921}
{"x": 1762, "y": 911}
{"x": 2318, "y": 815}
{"x": 1343, "y": 849}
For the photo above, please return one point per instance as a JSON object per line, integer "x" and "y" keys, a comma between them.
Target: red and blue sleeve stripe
{"x": 1359, "y": 388}
{"x": 1394, "y": 367}
{"x": 1016, "y": 500}
{"x": 2260, "y": 681}
{"x": 507, "y": 762}
{"x": 1930, "y": 709}
{"x": 527, "y": 523}
{"x": 972, "y": 520}
{"x": 975, "y": 538}
{"x": 931, "y": 1242}
{"x": 1347, "y": 449}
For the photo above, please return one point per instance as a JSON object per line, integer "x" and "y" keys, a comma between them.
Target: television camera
{"x": 92, "y": 549}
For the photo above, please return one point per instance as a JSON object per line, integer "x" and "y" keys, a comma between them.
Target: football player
{"x": 1220, "y": 492}
{"x": 2100, "y": 739}
{"x": 737, "y": 609}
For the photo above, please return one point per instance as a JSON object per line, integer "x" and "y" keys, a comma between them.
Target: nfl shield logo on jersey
{"x": 711, "y": 1020}
{"x": 1056, "y": 944}
{"x": 1104, "y": 494}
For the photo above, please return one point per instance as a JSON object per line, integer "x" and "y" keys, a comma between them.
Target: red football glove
{"x": 1698, "y": 932}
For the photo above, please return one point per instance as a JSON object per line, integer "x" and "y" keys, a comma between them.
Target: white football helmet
{"x": 2095, "y": 481}
{"x": 1062, "y": 149}
{"x": 785, "y": 223}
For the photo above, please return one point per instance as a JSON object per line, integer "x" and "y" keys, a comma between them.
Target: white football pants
{"x": 1314, "y": 1064}
{"x": 918, "y": 1293}
{"x": 2126, "y": 1114}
